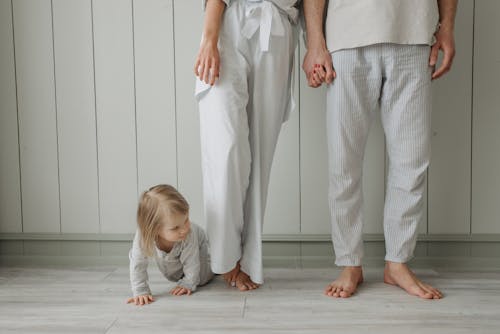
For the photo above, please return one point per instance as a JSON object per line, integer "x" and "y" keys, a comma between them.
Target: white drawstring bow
{"x": 266, "y": 16}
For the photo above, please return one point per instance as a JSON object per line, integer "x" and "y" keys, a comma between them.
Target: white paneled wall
{"x": 486, "y": 119}
{"x": 36, "y": 108}
{"x": 10, "y": 183}
{"x": 76, "y": 116}
{"x": 116, "y": 113}
{"x": 187, "y": 22}
{"x": 450, "y": 172}
{"x": 283, "y": 209}
{"x": 155, "y": 92}
{"x": 97, "y": 105}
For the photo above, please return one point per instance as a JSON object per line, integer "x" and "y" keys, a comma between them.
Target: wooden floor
{"x": 78, "y": 299}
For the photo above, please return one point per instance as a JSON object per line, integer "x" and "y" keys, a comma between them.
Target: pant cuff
{"x": 222, "y": 268}
{"x": 398, "y": 259}
{"x": 348, "y": 262}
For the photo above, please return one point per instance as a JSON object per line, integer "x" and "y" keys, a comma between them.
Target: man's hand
{"x": 141, "y": 300}
{"x": 318, "y": 67}
{"x": 317, "y": 63}
{"x": 179, "y": 291}
{"x": 445, "y": 41}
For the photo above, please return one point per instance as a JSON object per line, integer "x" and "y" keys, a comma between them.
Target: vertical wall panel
{"x": 155, "y": 92}
{"x": 37, "y": 115}
{"x": 115, "y": 101}
{"x": 449, "y": 171}
{"x": 283, "y": 202}
{"x": 315, "y": 214}
{"x": 315, "y": 217}
{"x": 187, "y": 43}
{"x": 74, "y": 66}
{"x": 486, "y": 122}
{"x": 10, "y": 188}
{"x": 422, "y": 228}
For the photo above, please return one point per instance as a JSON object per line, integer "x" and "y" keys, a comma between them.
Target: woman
{"x": 244, "y": 69}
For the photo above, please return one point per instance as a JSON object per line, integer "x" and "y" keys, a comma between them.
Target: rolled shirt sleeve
{"x": 190, "y": 259}
{"x": 138, "y": 269}
{"x": 227, "y": 2}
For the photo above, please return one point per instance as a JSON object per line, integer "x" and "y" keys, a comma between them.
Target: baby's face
{"x": 175, "y": 228}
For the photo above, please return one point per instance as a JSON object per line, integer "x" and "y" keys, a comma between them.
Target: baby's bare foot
{"x": 400, "y": 275}
{"x": 230, "y": 276}
{"x": 346, "y": 284}
{"x": 244, "y": 283}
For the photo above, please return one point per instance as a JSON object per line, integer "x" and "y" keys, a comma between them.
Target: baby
{"x": 179, "y": 247}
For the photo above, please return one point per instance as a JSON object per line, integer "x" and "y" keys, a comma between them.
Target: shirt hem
{"x": 363, "y": 44}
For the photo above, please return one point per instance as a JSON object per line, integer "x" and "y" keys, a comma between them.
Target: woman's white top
{"x": 290, "y": 7}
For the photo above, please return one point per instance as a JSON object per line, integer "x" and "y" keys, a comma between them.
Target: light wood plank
{"x": 92, "y": 300}
{"x": 155, "y": 92}
{"x": 115, "y": 100}
{"x": 76, "y": 116}
{"x": 486, "y": 121}
{"x": 10, "y": 191}
{"x": 37, "y": 115}
{"x": 449, "y": 171}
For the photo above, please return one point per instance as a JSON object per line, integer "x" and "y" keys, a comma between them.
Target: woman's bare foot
{"x": 400, "y": 275}
{"x": 346, "y": 284}
{"x": 244, "y": 283}
{"x": 230, "y": 276}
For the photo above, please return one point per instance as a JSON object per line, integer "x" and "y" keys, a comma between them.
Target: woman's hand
{"x": 179, "y": 291}
{"x": 318, "y": 67}
{"x": 317, "y": 63}
{"x": 141, "y": 300}
{"x": 206, "y": 66}
{"x": 207, "y": 62}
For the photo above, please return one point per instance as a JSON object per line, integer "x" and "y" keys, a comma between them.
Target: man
{"x": 378, "y": 54}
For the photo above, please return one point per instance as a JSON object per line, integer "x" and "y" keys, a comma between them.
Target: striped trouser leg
{"x": 351, "y": 101}
{"x": 406, "y": 114}
{"x": 396, "y": 79}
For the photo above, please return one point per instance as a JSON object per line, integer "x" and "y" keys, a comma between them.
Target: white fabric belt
{"x": 263, "y": 14}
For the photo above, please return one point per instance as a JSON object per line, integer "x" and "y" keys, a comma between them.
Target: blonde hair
{"x": 154, "y": 205}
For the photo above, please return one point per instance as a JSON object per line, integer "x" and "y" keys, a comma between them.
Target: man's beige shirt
{"x": 357, "y": 23}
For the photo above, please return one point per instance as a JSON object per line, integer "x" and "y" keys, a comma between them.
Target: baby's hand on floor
{"x": 141, "y": 300}
{"x": 179, "y": 291}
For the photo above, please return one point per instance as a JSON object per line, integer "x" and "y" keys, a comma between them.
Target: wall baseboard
{"x": 280, "y": 253}
{"x": 265, "y": 237}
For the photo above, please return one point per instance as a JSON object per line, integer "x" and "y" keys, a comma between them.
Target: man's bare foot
{"x": 346, "y": 284}
{"x": 400, "y": 275}
{"x": 230, "y": 276}
{"x": 244, "y": 283}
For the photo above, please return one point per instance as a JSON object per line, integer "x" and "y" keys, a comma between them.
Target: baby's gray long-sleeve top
{"x": 188, "y": 262}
